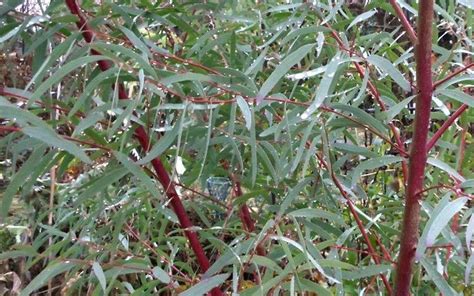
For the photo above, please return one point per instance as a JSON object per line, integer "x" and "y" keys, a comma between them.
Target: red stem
{"x": 451, "y": 75}
{"x": 445, "y": 126}
{"x": 418, "y": 154}
{"x": 405, "y": 23}
{"x": 244, "y": 213}
{"x": 161, "y": 172}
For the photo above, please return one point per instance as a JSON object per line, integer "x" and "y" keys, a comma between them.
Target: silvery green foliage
{"x": 259, "y": 90}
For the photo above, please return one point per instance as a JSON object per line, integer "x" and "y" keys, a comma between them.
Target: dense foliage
{"x": 306, "y": 109}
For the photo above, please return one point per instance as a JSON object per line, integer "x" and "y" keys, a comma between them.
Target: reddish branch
{"x": 451, "y": 75}
{"x": 244, "y": 213}
{"x": 375, "y": 93}
{"x": 445, "y": 126}
{"x": 405, "y": 23}
{"x": 418, "y": 153}
{"x": 143, "y": 138}
{"x": 358, "y": 221}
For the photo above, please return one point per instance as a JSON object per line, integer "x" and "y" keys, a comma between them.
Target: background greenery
{"x": 260, "y": 92}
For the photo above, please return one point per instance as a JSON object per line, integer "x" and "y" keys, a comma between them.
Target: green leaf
{"x": 363, "y": 117}
{"x": 458, "y": 95}
{"x": 469, "y": 231}
{"x": 396, "y": 109}
{"x": 47, "y": 274}
{"x": 129, "y": 53}
{"x": 185, "y": 77}
{"x": 253, "y": 148}
{"x": 92, "y": 86}
{"x": 322, "y": 90}
{"x": 445, "y": 167}
{"x": 282, "y": 69}
{"x": 437, "y": 278}
{"x": 467, "y": 272}
{"x": 292, "y": 194}
{"x": 99, "y": 273}
{"x": 306, "y": 254}
{"x": 372, "y": 164}
{"x": 138, "y": 172}
{"x": 442, "y": 219}
{"x": 353, "y": 149}
{"x": 317, "y": 213}
{"x": 100, "y": 183}
{"x": 62, "y": 72}
{"x": 49, "y": 137}
{"x": 362, "y": 17}
{"x": 366, "y": 271}
{"x": 20, "y": 177}
{"x": 205, "y": 285}
{"x": 137, "y": 42}
{"x": 244, "y": 107}
{"x": 163, "y": 144}
{"x": 161, "y": 275}
{"x": 388, "y": 68}
{"x": 90, "y": 120}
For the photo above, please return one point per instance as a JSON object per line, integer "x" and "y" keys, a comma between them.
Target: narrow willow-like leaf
{"x": 267, "y": 162}
{"x": 438, "y": 279}
{"x": 317, "y": 213}
{"x": 20, "y": 177}
{"x": 51, "y": 138}
{"x": 47, "y": 274}
{"x": 163, "y": 144}
{"x": 62, "y": 72}
{"x": 292, "y": 194}
{"x": 306, "y": 254}
{"x": 253, "y": 148}
{"x": 467, "y": 272}
{"x": 160, "y": 274}
{"x": 100, "y": 183}
{"x": 205, "y": 285}
{"x": 362, "y": 117}
{"x": 245, "y": 109}
{"x": 396, "y": 109}
{"x": 322, "y": 91}
{"x": 469, "y": 231}
{"x": 373, "y": 163}
{"x": 131, "y": 106}
{"x": 282, "y": 69}
{"x": 90, "y": 120}
{"x": 99, "y": 273}
{"x": 186, "y": 77}
{"x": 353, "y": 149}
{"x": 442, "y": 219}
{"x": 388, "y": 68}
{"x": 91, "y": 86}
{"x": 300, "y": 32}
{"x": 362, "y": 17}
{"x": 445, "y": 167}
{"x": 129, "y": 53}
{"x": 138, "y": 172}
{"x": 458, "y": 95}
{"x": 302, "y": 146}
{"x": 367, "y": 271}
{"x": 136, "y": 41}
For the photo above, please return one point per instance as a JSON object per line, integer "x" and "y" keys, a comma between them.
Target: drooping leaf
{"x": 205, "y": 285}
{"x": 322, "y": 91}
{"x": 47, "y": 274}
{"x": 160, "y": 274}
{"x": 362, "y": 17}
{"x": 99, "y": 273}
{"x": 388, "y": 68}
{"x": 282, "y": 69}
